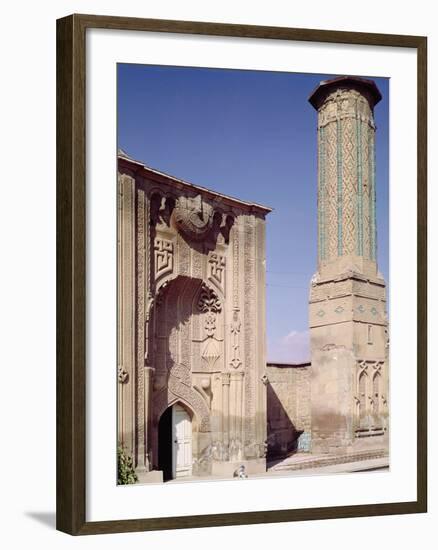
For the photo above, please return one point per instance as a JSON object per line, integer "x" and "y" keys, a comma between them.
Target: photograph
{"x": 252, "y": 274}
{"x": 217, "y": 233}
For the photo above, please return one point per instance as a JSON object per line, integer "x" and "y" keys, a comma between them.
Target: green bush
{"x": 125, "y": 468}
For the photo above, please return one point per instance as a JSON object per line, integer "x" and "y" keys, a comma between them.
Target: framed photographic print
{"x": 241, "y": 287}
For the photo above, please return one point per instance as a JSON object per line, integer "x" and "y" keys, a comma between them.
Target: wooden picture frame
{"x": 71, "y": 273}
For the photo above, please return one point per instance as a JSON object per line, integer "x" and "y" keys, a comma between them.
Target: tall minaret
{"x": 348, "y": 322}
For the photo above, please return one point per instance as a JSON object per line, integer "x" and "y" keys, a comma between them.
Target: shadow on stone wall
{"x": 282, "y": 434}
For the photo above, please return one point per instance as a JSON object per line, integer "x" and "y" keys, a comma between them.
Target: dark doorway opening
{"x": 165, "y": 444}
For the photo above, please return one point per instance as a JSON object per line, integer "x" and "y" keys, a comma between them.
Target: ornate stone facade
{"x": 348, "y": 321}
{"x": 191, "y": 314}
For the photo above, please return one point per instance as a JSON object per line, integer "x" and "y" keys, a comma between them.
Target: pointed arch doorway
{"x": 175, "y": 443}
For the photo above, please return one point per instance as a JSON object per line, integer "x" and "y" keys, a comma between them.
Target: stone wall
{"x": 288, "y": 408}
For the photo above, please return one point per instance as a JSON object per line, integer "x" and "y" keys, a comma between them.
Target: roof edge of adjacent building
{"x": 138, "y": 166}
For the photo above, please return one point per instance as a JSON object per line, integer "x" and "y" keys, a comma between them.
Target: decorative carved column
{"x": 346, "y": 173}
{"x": 126, "y": 312}
{"x": 148, "y": 389}
{"x": 140, "y": 320}
{"x": 236, "y": 414}
{"x": 225, "y": 410}
{"x": 347, "y": 297}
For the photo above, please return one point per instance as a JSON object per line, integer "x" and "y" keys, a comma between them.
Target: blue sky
{"x": 252, "y": 135}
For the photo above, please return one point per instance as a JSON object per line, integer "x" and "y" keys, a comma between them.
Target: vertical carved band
{"x": 236, "y": 414}
{"x": 359, "y": 226}
{"x": 236, "y": 258}
{"x": 321, "y": 196}
{"x": 235, "y": 361}
{"x": 339, "y": 189}
{"x": 225, "y": 407}
{"x": 331, "y": 209}
{"x": 372, "y": 193}
{"x": 127, "y": 312}
{"x": 148, "y": 385}
{"x": 249, "y": 322}
{"x": 141, "y": 458}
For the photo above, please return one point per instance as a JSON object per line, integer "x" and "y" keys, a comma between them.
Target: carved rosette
{"x": 199, "y": 221}
{"x": 122, "y": 375}
{"x": 193, "y": 217}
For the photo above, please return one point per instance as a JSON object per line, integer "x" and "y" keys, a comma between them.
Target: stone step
{"x": 300, "y": 462}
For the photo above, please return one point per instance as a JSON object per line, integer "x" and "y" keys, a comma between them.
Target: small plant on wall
{"x": 125, "y": 469}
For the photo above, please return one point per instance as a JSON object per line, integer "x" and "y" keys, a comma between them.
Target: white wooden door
{"x": 182, "y": 442}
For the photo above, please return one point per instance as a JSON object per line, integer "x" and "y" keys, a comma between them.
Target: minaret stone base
{"x": 348, "y": 333}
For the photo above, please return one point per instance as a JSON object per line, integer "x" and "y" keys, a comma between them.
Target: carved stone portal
{"x": 189, "y": 262}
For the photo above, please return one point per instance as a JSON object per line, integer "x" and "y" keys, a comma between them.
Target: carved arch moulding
{"x": 177, "y": 391}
